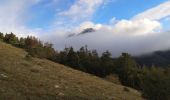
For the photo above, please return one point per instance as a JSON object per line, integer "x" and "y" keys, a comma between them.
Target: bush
{"x": 11, "y": 39}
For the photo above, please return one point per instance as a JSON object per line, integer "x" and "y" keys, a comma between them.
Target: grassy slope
{"x": 39, "y": 79}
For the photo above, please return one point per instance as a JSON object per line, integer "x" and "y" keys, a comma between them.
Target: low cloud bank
{"x": 116, "y": 43}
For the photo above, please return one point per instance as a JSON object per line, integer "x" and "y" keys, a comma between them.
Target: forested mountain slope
{"x": 158, "y": 58}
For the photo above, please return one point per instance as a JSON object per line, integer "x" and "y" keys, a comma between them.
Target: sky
{"x": 133, "y": 26}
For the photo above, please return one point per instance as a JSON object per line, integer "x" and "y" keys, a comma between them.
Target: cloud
{"x": 156, "y": 13}
{"x": 105, "y": 39}
{"x": 82, "y": 9}
{"x": 85, "y": 25}
{"x": 132, "y": 27}
{"x": 13, "y": 15}
{"x": 137, "y": 27}
{"x": 136, "y": 36}
{"x": 77, "y": 17}
{"x": 129, "y": 36}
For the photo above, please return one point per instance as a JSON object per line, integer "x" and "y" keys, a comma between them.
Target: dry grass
{"x": 113, "y": 78}
{"x": 40, "y": 79}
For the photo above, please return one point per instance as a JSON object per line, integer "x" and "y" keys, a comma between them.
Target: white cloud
{"x": 13, "y": 15}
{"x": 130, "y": 27}
{"x": 129, "y": 36}
{"x": 141, "y": 34}
{"x": 85, "y": 25}
{"x": 156, "y": 13}
{"x": 137, "y": 27}
{"x": 77, "y": 17}
{"x": 106, "y": 39}
{"x": 137, "y": 36}
{"x": 82, "y": 9}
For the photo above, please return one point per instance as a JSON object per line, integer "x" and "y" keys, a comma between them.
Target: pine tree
{"x": 72, "y": 58}
{"x": 126, "y": 68}
{"x": 106, "y": 63}
{"x": 1, "y": 36}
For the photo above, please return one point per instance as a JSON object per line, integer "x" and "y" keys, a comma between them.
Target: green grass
{"x": 40, "y": 79}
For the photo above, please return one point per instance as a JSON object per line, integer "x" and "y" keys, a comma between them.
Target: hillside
{"x": 24, "y": 78}
{"x": 158, "y": 58}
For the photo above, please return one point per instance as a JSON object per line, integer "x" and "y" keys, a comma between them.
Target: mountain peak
{"x": 87, "y": 30}
{"x": 84, "y": 31}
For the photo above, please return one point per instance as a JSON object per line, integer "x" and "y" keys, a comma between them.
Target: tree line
{"x": 153, "y": 82}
